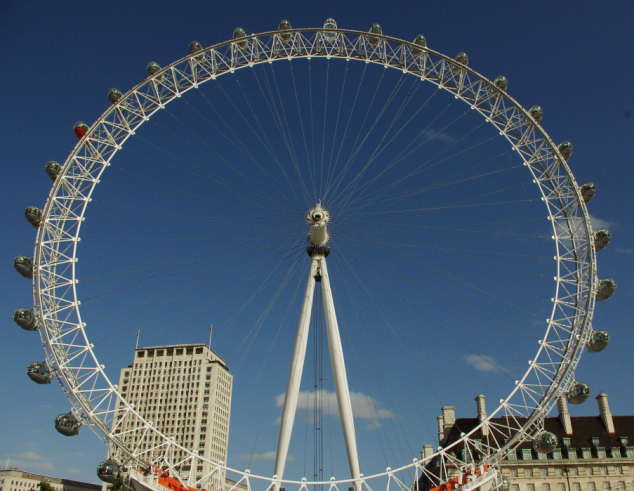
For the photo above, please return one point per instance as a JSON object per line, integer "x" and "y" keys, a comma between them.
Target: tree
{"x": 45, "y": 486}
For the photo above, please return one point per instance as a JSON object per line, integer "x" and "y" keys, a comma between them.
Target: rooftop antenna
{"x": 211, "y": 330}
{"x": 138, "y": 335}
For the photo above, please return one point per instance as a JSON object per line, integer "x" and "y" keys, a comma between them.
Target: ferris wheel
{"x": 72, "y": 359}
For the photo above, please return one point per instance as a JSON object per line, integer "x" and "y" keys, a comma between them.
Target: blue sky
{"x": 169, "y": 250}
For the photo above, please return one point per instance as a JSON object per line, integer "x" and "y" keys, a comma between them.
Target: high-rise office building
{"x": 185, "y": 390}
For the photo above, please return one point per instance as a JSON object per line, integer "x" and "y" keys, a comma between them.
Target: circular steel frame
{"x": 97, "y": 402}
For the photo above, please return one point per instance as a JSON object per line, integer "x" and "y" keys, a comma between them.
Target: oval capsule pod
{"x": 25, "y": 319}
{"x": 24, "y": 266}
{"x": 152, "y": 67}
{"x": 109, "y": 471}
{"x": 537, "y": 113}
{"x": 67, "y": 424}
{"x": 606, "y": 288}
{"x": 239, "y": 33}
{"x": 462, "y": 57}
{"x": 114, "y": 96}
{"x": 331, "y": 37}
{"x": 578, "y": 393}
{"x": 80, "y": 128}
{"x": 374, "y": 29}
{"x": 588, "y": 190}
{"x": 39, "y": 372}
{"x": 194, "y": 47}
{"x": 601, "y": 239}
{"x": 501, "y": 82}
{"x": 282, "y": 26}
{"x": 34, "y": 215}
{"x": 419, "y": 40}
{"x": 52, "y": 169}
{"x": 565, "y": 149}
{"x": 545, "y": 442}
{"x": 598, "y": 341}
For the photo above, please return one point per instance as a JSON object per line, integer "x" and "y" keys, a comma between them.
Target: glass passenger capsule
{"x": 25, "y": 319}
{"x": 114, "y": 96}
{"x": 588, "y": 190}
{"x": 537, "y": 113}
{"x": 565, "y": 149}
{"x": 152, "y": 67}
{"x": 545, "y": 442}
{"x": 34, "y": 215}
{"x": 108, "y": 471}
{"x": 39, "y": 372}
{"x": 606, "y": 288}
{"x": 462, "y": 57}
{"x": 601, "y": 239}
{"x": 194, "y": 47}
{"x": 501, "y": 82}
{"x": 578, "y": 393}
{"x": 331, "y": 37}
{"x": 238, "y": 33}
{"x": 80, "y": 129}
{"x": 24, "y": 266}
{"x": 67, "y": 424}
{"x": 375, "y": 29}
{"x": 282, "y": 26}
{"x": 598, "y": 341}
{"x": 419, "y": 40}
{"x": 52, "y": 169}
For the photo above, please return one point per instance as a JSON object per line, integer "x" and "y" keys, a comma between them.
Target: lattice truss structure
{"x": 97, "y": 402}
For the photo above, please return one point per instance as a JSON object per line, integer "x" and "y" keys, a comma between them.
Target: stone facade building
{"x": 17, "y": 480}
{"x": 185, "y": 390}
{"x": 595, "y": 453}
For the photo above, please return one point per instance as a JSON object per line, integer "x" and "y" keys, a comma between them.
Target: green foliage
{"x": 45, "y": 486}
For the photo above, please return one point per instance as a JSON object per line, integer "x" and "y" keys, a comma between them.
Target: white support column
{"x": 295, "y": 375}
{"x": 339, "y": 374}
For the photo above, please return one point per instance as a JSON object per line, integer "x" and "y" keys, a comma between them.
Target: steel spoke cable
{"x": 323, "y": 132}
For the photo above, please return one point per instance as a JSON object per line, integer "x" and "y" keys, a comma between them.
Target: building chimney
{"x": 441, "y": 429}
{"x": 564, "y": 415}
{"x": 482, "y": 412}
{"x": 604, "y": 411}
{"x": 448, "y": 416}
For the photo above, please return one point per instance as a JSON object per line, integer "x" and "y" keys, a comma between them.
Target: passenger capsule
{"x": 67, "y": 424}
{"x": 565, "y": 149}
{"x": 598, "y": 341}
{"x": 578, "y": 393}
{"x": 80, "y": 129}
{"x": 114, "y": 96}
{"x": 39, "y": 372}
{"x": 25, "y": 319}
{"x": 462, "y": 57}
{"x": 52, "y": 169}
{"x": 109, "y": 471}
{"x": 34, "y": 215}
{"x": 537, "y": 113}
{"x": 601, "y": 239}
{"x": 194, "y": 47}
{"x": 588, "y": 190}
{"x": 501, "y": 82}
{"x": 24, "y": 266}
{"x": 374, "y": 29}
{"x": 283, "y": 26}
{"x": 152, "y": 67}
{"x": 545, "y": 442}
{"x": 238, "y": 33}
{"x": 419, "y": 40}
{"x": 331, "y": 37}
{"x": 606, "y": 288}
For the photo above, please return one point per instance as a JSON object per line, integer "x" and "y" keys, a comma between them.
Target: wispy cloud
{"x": 430, "y": 134}
{"x": 364, "y": 406}
{"x": 599, "y": 223}
{"x": 484, "y": 363}
{"x": 624, "y": 250}
{"x": 262, "y": 456}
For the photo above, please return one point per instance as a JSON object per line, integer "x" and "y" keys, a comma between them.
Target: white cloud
{"x": 484, "y": 363}
{"x": 624, "y": 250}
{"x": 599, "y": 223}
{"x": 262, "y": 456}
{"x": 363, "y": 405}
{"x": 430, "y": 134}
{"x": 28, "y": 456}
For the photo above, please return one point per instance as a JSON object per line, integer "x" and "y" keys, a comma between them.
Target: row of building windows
{"x": 574, "y": 486}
